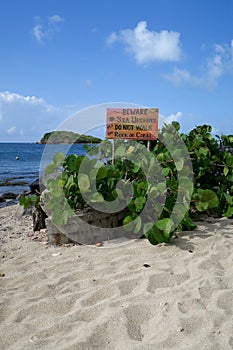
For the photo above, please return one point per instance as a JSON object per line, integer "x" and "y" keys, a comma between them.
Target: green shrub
{"x": 173, "y": 203}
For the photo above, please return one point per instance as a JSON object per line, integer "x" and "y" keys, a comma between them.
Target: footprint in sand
{"x": 136, "y": 315}
{"x": 225, "y": 301}
{"x": 4, "y": 307}
{"x": 186, "y": 306}
{"x": 231, "y": 342}
{"x": 126, "y": 287}
{"x": 54, "y": 306}
{"x": 86, "y": 315}
{"x": 161, "y": 281}
{"x": 100, "y": 296}
{"x": 212, "y": 263}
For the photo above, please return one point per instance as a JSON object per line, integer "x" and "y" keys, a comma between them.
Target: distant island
{"x": 54, "y": 137}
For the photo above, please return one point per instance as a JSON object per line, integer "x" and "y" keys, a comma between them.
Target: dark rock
{"x": 10, "y": 202}
{"x": 36, "y": 187}
{"x": 8, "y": 195}
{"x": 2, "y": 199}
{"x": 38, "y": 217}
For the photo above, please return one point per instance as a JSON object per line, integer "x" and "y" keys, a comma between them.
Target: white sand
{"x": 104, "y": 298}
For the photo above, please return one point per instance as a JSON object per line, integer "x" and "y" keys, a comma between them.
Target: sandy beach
{"x": 135, "y": 296}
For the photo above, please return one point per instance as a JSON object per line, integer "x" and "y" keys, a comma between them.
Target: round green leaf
{"x": 83, "y": 182}
{"x": 166, "y": 225}
{"x": 97, "y": 198}
{"x": 127, "y": 220}
{"x": 58, "y": 158}
{"x": 50, "y": 169}
{"x": 205, "y": 199}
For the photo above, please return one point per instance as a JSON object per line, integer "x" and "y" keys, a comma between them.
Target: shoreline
{"x": 136, "y": 296}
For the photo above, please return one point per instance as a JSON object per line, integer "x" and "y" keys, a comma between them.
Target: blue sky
{"x": 58, "y": 57}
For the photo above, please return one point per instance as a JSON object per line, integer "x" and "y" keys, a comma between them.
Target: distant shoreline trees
{"x": 54, "y": 137}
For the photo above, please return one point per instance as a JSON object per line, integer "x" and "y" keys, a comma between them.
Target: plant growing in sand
{"x": 209, "y": 190}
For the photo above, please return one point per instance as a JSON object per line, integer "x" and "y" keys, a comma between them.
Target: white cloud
{"x": 10, "y": 97}
{"x": 27, "y": 117}
{"x": 111, "y": 39}
{"x": 11, "y": 131}
{"x": 55, "y": 19}
{"x": 37, "y": 32}
{"x": 183, "y": 76}
{"x": 147, "y": 46}
{"x": 173, "y": 117}
{"x": 218, "y": 64}
{"x": 42, "y": 32}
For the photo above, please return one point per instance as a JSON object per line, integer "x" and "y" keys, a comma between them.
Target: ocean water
{"x": 20, "y": 163}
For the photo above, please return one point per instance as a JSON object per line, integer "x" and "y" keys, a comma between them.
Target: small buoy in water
{"x": 17, "y": 158}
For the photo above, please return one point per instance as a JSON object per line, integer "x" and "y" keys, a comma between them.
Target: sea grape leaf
{"x": 56, "y": 188}
{"x": 147, "y": 227}
{"x": 229, "y": 160}
{"x": 120, "y": 151}
{"x": 50, "y": 169}
{"x": 229, "y": 212}
{"x": 97, "y": 197}
{"x": 176, "y": 125}
{"x": 83, "y": 182}
{"x": 161, "y": 157}
{"x": 59, "y": 158}
{"x": 139, "y": 203}
{"x": 128, "y": 223}
{"x": 166, "y": 225}
{"x": 153, "y": 192}
{"x": 166, "y": 171}
{"x": 187, "y": 223}
{"x": 110, "y": 182}
{"x": 158, "y": 207}
{"x": 141, "y": 188}
{"x": 205, "y": 199}
{"x": 78, "y": 162}
{"x": 180, "y": 164}
{"x": 185, "y": 186}
{"x": 119, "y": 193}
{"x": 138, "y": 224}
{"x": 201, "y": 206}
{"x": 58, "y": 218}
{"x": 102, "y": 173}
{"x": 69, "y": 182}
{"x": 127, "y": 220}
{"x": 130, "y": 150}
{"x": 136, "y": 169}
{"x": 151, "y": 237}
{"x": 180, "y": 210}
{"x": 203, "y": 151}
{"x": 161, "y": 186}
{"x": 158, "y": 235}
{"x": 225, "y": 171}
{"x": 70, "y": 162}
